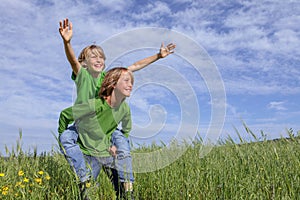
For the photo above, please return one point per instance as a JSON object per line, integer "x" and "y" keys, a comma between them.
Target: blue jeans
{"x": 73, "y": 154}
{"x": 76, "y": 159}
{"x": 123, "y": 160}
{"x": 96, "y": 164}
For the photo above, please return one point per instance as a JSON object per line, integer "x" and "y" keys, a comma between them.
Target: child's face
{"x": 95, "y": 62}
{"x": 124, "y": 84}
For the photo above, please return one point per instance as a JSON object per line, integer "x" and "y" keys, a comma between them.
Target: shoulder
{"x": 99, "y": 103}
{"x": 125, "y": 107}
{"x": 81, "y": 73}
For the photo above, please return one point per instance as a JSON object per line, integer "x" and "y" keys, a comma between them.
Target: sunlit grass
{"x": 260, "y": 169}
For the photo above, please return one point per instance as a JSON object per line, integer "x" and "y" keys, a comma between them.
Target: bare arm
{"x": 163, "y": 52}
{"x": 66, "y": 32}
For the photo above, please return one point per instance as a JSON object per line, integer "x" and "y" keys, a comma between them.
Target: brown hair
{"x": 84, "y": 54}
{"x": 110, "y": 80}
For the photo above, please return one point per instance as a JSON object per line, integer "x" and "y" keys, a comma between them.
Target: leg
{"x": 73, "y": 154}
{"x": 123, "y": 161}
{"x": 112, "y": 174}
{"x": 95, "y": 165}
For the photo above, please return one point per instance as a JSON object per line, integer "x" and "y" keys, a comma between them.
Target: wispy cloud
{"x": 277, "y": 105}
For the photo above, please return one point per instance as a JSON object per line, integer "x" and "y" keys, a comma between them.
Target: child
{"x": 88, "y": 75}
{"x": 98, "y": 118}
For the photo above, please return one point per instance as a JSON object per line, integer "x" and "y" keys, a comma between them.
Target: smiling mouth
{"x": 98, "y": 66}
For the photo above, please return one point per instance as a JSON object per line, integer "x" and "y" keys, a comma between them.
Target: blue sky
{"x": 253, "y": 46}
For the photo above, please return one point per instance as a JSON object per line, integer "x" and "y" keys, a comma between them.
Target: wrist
{"x": 159, "y": 56}
{"x": 67, "y": 42}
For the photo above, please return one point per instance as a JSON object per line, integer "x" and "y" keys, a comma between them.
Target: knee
{"x": 68, "y": 137}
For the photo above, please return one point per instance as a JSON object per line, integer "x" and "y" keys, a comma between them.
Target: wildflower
{"x": 2, "y": 174}
{"x": 26, "y": 180}
{"x": 5, "y": 190}
{"x": 48, "y": 177}
{"x": 40, "y": 172}
{"x": 20, "y": 173}
{"x": 88, "y": 184}
{"x": 18, "y": 184}
{"x": 38, "y": 180}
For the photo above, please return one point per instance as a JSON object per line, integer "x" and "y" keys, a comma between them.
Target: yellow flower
{"x": 88, "y": 184}
{"x": 4, "y": 190}
{"x": 2, "y": 174}
{"x": 38, "y": 180}
{"x": 48, "y": 177}
{"x": 40, "y": 172}
{"x": 20, "y": 173}
{"x": 26, "y": 180}
{"x": 18, "y": 184}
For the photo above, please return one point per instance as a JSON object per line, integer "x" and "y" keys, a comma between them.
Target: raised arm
{"x": 66, "y": 32}
{"x": 163, "y": 52}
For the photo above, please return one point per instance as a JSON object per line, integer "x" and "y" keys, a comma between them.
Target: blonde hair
{"x": 86, "y": 52}
{"x": 110, "y": 80}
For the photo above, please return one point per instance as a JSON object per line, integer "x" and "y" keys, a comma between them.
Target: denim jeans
{"x": 96, "y": 164}
{"x": 73, "y": 154}
{"x": 76, "y": 159}
{"x": 123, "y": 160}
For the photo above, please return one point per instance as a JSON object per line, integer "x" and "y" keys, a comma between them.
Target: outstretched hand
{"x": 66, "y": 30}
{"x": 165, "y": 51}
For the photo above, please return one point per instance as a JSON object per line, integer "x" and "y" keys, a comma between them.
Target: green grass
{"x": 258, "y": 170}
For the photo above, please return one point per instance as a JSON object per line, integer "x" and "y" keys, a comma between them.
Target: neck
{"x": 94, "y": 74}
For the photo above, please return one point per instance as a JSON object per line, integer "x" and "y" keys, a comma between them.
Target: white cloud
{"x": 277, "y": 105}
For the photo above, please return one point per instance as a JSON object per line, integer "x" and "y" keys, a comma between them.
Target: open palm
{"x": 66, "y": 30}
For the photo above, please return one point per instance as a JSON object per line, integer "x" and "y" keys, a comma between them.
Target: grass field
{"x": 256, "y": 170}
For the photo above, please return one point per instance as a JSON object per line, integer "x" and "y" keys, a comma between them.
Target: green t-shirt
{"x": 95, "y": 122}
{"x": 86, "y": 85}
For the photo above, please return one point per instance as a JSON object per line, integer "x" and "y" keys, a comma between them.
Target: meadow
{"x": 259, "y": 169}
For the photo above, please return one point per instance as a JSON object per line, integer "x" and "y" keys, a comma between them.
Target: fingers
{"x": 65, "y": 24}
{"x": 60, "y": 26}
{"x": 171, "y": 46}
{"x": 168, "y": 48}
{"x": 70, "y": 26}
